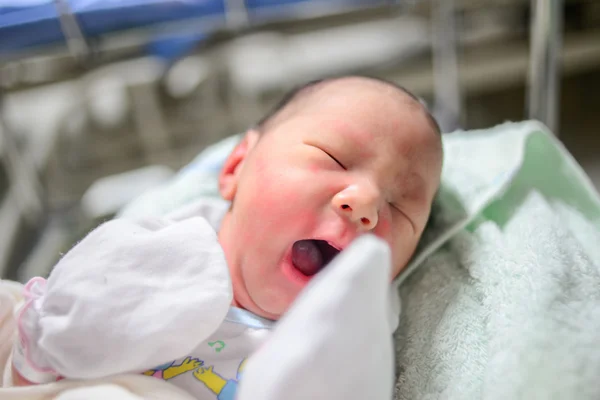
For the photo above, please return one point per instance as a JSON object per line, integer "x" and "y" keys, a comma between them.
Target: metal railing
{"x": 544, "y": 68}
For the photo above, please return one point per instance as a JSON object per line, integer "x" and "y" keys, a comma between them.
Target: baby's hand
{"x": 140, "y": 261}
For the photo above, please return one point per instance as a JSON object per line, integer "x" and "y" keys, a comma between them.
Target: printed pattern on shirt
{"x": 223, "y": 388}
{"x": 169, "y": 370}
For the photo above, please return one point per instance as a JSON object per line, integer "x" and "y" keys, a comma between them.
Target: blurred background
{"x": 103, "y": 99}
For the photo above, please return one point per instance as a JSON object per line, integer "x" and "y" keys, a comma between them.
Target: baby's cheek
{"x": 284, "y": 196}
{"x": 272, "y": 203}
{"x": 266, "y": 188}
{"x": 306, "y": 219}
{"x": 384, "y": 229}
{"x": 314, "y": 169}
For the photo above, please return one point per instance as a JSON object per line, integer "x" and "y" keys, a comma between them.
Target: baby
{"x": 335, "y": 159}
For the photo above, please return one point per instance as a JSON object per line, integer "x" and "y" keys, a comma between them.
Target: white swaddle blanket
{"x": 509, "y": 307}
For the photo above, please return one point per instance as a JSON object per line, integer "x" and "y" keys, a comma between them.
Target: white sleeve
{"x": 335, "y": 341}
{"x": 130, "y": 296}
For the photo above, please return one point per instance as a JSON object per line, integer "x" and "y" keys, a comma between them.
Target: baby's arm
{"x": 128, "y": 297}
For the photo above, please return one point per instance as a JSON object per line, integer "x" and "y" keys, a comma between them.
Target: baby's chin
{"x": 266, "y": 306}
{"x": 268, "y": 311}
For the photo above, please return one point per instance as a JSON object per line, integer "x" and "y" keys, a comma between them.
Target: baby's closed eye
{"x": 328, "y": 155}
{"x": 334, "y": 159}
{"x": 397, "y": 209}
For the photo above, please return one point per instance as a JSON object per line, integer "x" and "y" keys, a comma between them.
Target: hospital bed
{"x": 31, "y": 24}
{"x": 88, "y": 27}
{"x": 84, "y": 28}
{"x": 27, "y": 25}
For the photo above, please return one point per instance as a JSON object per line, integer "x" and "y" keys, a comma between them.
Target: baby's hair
{"x": 306, "y": 88}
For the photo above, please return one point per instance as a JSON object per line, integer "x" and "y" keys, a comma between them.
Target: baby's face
{"x": 354, "y": 157}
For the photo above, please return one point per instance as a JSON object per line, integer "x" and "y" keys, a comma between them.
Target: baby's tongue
{"x": 307, "y": 257}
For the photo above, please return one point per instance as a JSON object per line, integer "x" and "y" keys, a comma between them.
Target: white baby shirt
{"x": 151, "y": 296}
{"x": 213, "y": 370}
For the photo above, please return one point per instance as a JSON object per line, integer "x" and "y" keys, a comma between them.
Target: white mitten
{"x": 335, "y": 342}
{"x": 130, "y": 296}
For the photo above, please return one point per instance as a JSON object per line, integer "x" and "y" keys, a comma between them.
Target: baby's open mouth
{"x": 310, "y": 256}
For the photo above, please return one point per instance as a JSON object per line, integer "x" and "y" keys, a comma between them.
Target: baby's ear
{"x": 228, "y": 178}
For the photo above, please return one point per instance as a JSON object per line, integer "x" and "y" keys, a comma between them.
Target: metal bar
{"x": 445, "y": 66}
{"x": 236, "y": 14}
{"x": 544, "y": 68}
{"x": 76, "y": 41}
{"x": 22, "y": 174}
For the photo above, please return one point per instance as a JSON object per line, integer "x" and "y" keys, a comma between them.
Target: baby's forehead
{"x": 362, "y": 109}
{"x": 349, "y": 91}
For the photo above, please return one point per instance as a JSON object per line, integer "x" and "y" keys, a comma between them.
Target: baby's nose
{"x": 358, "y": 204}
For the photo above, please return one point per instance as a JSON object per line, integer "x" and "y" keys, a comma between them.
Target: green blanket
{"x": 503, "y": 301}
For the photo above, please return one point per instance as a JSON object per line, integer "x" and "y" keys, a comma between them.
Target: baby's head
{"x": 336, "y": 159}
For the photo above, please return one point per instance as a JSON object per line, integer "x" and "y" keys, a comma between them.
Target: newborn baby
{"x": 171, "y": 298}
